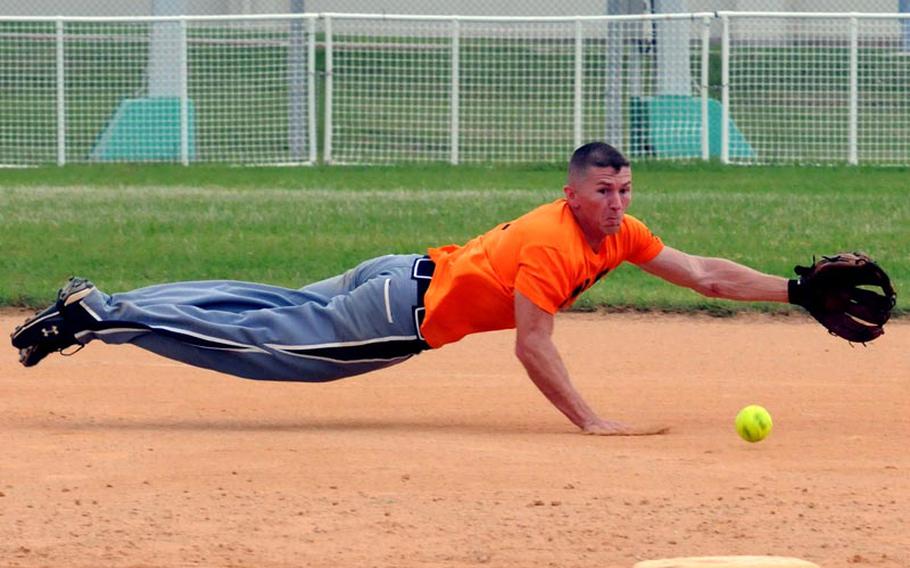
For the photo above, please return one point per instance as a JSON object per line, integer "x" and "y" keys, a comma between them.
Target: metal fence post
{"x": 297, "y": 88}
{"x": 184, "y": 102}
{"x": 579, "y": 77}
{"x": 903, "y": 6}
{"x": 705, "y": 120}
{"x": 455, "y": 93}
{"x": 725, "y": 90}
{"x": 311, "y": 88}
{"x": 327, "y": 145}
{"x": 852, "y": 153}
{"x": 61, "y": 97}
{"x": 613, "y": 81}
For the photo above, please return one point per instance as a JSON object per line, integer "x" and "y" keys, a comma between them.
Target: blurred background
{"x": 457, "y": 7}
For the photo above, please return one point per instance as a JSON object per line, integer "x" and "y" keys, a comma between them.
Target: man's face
{"x": 599, "y": 199}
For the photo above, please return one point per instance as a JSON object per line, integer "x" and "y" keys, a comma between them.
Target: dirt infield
{"x": 119, "y": 458}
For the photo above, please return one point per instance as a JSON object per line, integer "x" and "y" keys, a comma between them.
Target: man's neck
{"x": 593, "y": 237}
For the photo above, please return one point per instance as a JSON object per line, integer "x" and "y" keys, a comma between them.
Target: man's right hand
{"x": 613, "y": 428}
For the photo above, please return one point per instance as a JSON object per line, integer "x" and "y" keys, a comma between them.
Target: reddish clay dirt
{"x": 116, "y": 457}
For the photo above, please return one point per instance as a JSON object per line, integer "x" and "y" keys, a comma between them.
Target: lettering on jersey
{"x": 580, "y": 288}
{"x": 506, "y": 226}
{"x": 584, "y": 286}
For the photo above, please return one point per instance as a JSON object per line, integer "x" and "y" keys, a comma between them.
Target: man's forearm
{"x": 544, "y": 366}
{"x": 732, "y": 281}
{"x": 717, "y": 277}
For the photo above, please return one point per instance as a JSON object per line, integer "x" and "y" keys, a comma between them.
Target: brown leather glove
{"x": 841, "y": 292}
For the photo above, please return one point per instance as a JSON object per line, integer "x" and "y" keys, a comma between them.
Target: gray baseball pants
{"x": 364, "y": 319}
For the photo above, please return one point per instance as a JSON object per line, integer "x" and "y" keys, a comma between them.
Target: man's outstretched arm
{"x": 535, "y": 349}
{"x": 716, "y": 277}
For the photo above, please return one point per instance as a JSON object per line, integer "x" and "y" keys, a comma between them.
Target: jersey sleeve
{"x": 543, "y": 278}
{"x": 642, "y": 244}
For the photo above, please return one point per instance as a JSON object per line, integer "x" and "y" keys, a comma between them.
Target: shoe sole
{"x": 30, "y": 356}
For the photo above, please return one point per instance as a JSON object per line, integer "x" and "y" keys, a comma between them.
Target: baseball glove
{"x": 842, "y": 293}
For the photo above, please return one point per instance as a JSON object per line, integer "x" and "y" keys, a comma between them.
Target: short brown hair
{"x": 596, "y": 154}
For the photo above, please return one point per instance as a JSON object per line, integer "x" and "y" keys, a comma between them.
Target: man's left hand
{"x": 613, "y": 428}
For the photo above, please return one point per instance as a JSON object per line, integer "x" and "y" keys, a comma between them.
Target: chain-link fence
{"x": 381, "y": 89}
{"x": 514, "y": 8}
{"x": 835, "y": 89}
{"x": 235, "y": 91}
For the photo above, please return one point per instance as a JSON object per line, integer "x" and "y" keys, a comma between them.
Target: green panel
{"x": 145, "y": 130}
{"x": 669, "y": 126}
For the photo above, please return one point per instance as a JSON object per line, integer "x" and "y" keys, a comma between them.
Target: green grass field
{"x": 129, "y": 226}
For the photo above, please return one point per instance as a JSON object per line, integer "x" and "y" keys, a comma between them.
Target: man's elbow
{"x": 709, "y": 288}
{"x": 705, "y": 283}
{"x": 522, "y": 352}
{"x": 527, "y": 350}
{"x": 694, "y": 273}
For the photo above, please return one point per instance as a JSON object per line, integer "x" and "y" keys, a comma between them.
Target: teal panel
{"x": 669, "y": 126}
{"x": 146, "y": 129}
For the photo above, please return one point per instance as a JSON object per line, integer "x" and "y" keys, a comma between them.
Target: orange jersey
{"x": 543, "y": 254}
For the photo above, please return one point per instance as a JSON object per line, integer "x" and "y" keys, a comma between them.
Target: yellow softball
{"x": 753, "y": 423}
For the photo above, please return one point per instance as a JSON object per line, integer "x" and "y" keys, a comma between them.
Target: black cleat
{"x": 30, "y": 356}
{"x": 52, "y": 329}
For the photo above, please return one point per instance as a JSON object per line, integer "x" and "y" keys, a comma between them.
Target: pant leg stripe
{"x": 110, "y": 331}
{"x": 379, "y": 349}
{"x": 388, "y": 306}
{"x": 386, "y": 339}
{"x": 207, "y": 341}
{"x": 345, "y": 361}
{"x": 190, "y": 338}
{"x": 89, "y": 310}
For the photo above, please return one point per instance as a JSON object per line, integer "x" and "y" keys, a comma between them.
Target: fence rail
{"x": 742, "y": 87}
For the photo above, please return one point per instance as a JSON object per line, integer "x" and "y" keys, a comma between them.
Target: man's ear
{"x": 569, "y": 192}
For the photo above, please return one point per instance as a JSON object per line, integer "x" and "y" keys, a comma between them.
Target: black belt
{"x": 422, "y": 272}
